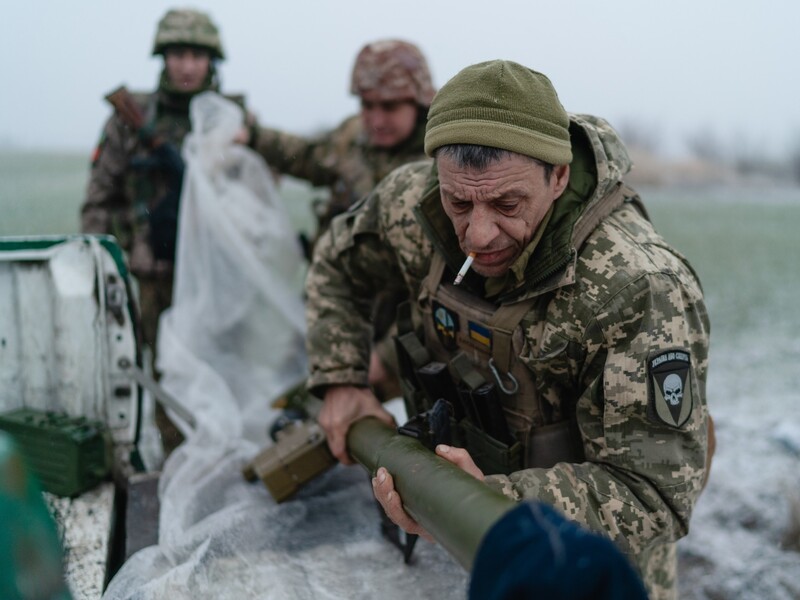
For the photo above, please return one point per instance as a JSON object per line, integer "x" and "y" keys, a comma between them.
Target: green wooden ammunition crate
{"x": 69, "y": 455}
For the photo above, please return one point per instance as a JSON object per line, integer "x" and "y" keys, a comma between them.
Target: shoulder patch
{"x": 670, "y": 387}
{"x": 446, "y": 324}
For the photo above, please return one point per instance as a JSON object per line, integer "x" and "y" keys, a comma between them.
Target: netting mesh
{"x": 232, "y": 341}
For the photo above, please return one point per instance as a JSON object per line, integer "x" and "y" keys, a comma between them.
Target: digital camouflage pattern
{"x": 342, "y": 160}
{"x": 624, "y": 297}
{"x": 188, "y": 27}
{"x": 395, "y": 70}
{"x": 120, "y": 195}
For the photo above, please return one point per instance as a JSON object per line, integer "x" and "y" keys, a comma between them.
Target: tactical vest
{"x": 498, "y": 414}
{"x": 147, "y": 181}
{"x": 470, "y": 357}
{"x": 168, "y": 120}
{"x": 146, "y": 185}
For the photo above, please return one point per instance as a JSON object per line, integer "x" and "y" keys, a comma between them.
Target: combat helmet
{"x": 188, "y": 27}
{"x": 395, "y": 69}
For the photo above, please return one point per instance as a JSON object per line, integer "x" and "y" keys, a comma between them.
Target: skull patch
{"x": 673, "y": 389}
{"x": 670, "y": 385}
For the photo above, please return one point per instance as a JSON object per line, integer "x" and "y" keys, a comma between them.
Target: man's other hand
{"x": 344, "y": 405}
{"x": 383, "y": 487}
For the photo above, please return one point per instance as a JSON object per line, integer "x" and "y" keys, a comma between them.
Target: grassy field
{"x": 41, "y": 193}
{"x": 741, "y": 241}
{"x": 744, "y": 246}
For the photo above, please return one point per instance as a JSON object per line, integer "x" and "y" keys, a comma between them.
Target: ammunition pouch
{"x": 477, "y": 422}
{"x": 411, "y": 356}
{"x": 491, "y": 455}
{"x": 477, "y": 419}
{"x": 483, "y": 429}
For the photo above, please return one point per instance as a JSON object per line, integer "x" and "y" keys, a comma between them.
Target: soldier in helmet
{"x": 134, "y": 186}
{"x": 393, "y": 82}
{"x": 567, "y": 338}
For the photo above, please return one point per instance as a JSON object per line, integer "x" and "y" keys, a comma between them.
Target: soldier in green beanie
{"x": 569, "y": 340}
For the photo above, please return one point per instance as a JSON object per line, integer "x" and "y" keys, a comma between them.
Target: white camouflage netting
{"x": 232, "y": 341}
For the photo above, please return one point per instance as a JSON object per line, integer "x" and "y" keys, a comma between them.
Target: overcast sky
{"x": 675, "y": 69}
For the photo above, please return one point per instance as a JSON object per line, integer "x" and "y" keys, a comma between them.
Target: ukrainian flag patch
{"x": 479, "y": 333}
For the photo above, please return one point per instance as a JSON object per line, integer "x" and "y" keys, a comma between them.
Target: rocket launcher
{"x": 454, "y": 507}
{"x": 457, "y": 509}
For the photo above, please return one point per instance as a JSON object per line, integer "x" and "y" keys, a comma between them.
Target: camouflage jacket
{"x": 609, "y": 311}
{"x": 120, "y": 194}
{"x": 341, "y": 160}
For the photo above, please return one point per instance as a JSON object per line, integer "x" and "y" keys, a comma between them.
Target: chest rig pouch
{"x": 469, "y": 358}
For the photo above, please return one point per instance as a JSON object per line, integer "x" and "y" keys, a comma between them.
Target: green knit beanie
{"x": 503, "y": 105}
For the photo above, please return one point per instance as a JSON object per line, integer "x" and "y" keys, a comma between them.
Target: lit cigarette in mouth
{"x": 464, "y": 268}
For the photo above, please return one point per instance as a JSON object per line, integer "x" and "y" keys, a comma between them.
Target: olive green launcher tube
{"x": 454, "y": 507}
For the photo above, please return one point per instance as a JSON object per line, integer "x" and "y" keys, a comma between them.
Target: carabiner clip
{"x": 499, "y": 379}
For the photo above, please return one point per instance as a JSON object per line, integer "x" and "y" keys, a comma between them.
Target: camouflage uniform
{"x": 350, "y": 167}
{"x": 127, "y": 182}
{"x": 344, "y": 161}
{"x": 341, "y": 160}
{"x": 608, "y": 301}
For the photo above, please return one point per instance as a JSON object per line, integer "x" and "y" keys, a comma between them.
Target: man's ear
{"x": 560, "y": 179}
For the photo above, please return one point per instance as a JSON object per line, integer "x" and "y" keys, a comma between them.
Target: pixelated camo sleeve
{"x": 105, "y": 193}
{"x": 637, "y": 339}
{"x": 306, "y": 158}
{"x": 375, "y": 246}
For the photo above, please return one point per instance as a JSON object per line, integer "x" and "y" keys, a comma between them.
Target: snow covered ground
{"x": 744, "y": 537}
{"x": 745, "y": 540}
